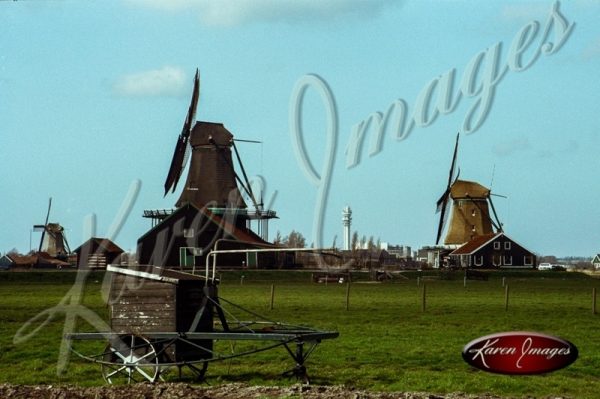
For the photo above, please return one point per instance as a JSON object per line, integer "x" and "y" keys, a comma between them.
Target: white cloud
{"x": 226, "y": 13}
{"x": 167, "y": 81}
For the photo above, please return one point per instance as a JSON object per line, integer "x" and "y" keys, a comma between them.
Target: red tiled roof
{"x": 474, "y": 244}
{"x": 22, "y": 260}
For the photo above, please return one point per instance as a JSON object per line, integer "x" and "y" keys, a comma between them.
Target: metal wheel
{"x": 130, "y": 359}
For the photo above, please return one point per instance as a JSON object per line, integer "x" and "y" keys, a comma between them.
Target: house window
{"x": 497, "y": 245}
{"x": 478, "y": 260}
{"x": 528, "y": 260}
{"x": 188, "y": 233}
{"x": 507, "y": 245}
{"x": 497, "y": 260}
{"x": 507, "y": 260}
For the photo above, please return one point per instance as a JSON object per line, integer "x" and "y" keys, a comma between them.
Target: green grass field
{"x": 387, "y": 342}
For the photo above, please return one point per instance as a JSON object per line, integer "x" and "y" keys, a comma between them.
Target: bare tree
{"x": 278, "y": 240}
{"x": 354, "y": 243}
{"x": 294, "y": 240}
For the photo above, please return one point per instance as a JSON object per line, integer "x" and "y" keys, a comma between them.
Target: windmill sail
{"x": 442, "y": 203}
{"x": 182, "y": 148}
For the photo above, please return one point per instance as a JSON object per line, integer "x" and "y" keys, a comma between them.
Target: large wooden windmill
{"x": 470, "y": 209}
{"x": 212, "y": 180}
{"x": 211, "y": 210}
{"x": 53, "y": 240}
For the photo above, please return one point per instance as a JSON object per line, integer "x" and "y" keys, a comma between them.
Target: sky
{"x": 93, "y": 95}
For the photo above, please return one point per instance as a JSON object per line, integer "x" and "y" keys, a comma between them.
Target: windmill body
{"x": 211, "y": 180}
{"x": 470, "y": 215}
{"x": 54, "y": 242}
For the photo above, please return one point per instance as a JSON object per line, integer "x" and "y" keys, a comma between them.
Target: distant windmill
{"x": 53, "y": 240}
{"x": 470, "y": 215}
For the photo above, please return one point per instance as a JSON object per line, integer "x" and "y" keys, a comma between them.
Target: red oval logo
{"x": 519, "y": 353}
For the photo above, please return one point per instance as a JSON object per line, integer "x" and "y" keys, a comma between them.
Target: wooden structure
{"x": 97, "y": 253}
{"x": 151, "y": 299}
{"x": 186, "y": 235}
{"x": 469, "y": 213}
{"x": 162, "y": 318}
{"x": 493, "y": 251}
{"x": 212, "y": 181}
{"x": 596, "y": 262}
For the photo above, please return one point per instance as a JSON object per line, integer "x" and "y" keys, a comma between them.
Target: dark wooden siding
{"x": 141, "y": 305}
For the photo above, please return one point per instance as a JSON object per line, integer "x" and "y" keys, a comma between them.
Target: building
{"x": 186, "y": 236}
{"x": 596, "y": 262}
{"x": 39, "y": 260}
{"x": 492, "y": 251}
{"x": 96, "y": 253}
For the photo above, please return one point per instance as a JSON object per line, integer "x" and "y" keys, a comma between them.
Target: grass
{"x": 386, "y": 341}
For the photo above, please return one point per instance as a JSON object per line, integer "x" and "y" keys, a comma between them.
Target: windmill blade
{"x": 442, "y": 203}
{"x": 182, "y": 148}
{"x": 177, "y": 164}
{"x": 499, "y": 195}
{"x": 248, "y": 141}
{"x": 249, "y": 190}
{"x": 495, "y": 214}
{"x": 45, "y": 224}
{"x": 453, "y": 164}
{"x": 442, "y": 221}
{"x": 443, "y": 199}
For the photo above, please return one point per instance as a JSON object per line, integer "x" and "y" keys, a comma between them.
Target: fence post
{"x": 465, "y": 281}
{"x": 424, "y": 299}
{"x": 242, "y": 280}
{"x": 418, "y": 281}
{"x": 347, "y": 295}
{"x": 272, "y": 296}
{"x": 503, "y": 281}
{"x": 594, "y": 300}
{"x": 506, "y": 290}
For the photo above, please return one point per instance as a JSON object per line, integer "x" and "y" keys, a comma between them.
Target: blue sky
{"x": 93, "y": 95}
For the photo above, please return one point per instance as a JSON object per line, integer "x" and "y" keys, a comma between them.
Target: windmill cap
{"x": 209, "y": 133}
{"x": 468, "y": 189}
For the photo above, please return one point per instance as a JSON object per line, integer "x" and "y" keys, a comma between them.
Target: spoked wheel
{"x": 130, "y": 359}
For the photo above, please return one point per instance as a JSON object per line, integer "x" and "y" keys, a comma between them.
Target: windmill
{"x": 53, "y": 240}
{"x": 469, "y": 214}
{"x": 212, "y": 181}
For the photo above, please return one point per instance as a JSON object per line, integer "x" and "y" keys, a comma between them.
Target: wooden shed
{"x": 151, "y": 299}
{"x": 96, "y": 253}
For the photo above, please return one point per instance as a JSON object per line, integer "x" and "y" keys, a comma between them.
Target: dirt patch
{"x": 229, "y": 391}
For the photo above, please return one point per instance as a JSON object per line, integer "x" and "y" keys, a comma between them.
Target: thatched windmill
{"x": 470, "y": 212}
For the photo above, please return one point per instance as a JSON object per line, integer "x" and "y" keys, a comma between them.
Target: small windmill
{"x": 53, "y": 240}
{"x": 470, "y": 215}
